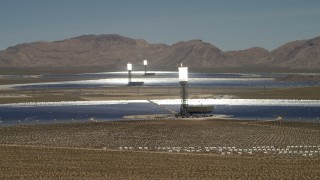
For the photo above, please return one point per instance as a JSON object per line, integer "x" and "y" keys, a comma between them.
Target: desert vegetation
{"x": 21, "y": 162}
{"x": 162, "y": 149}
{"x": 205, "y": 136}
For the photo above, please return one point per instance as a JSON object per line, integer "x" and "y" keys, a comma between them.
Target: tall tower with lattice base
{"x": 184, "y": 99}
{"x": 145, "y": 63}
{"x": 129, "y": 68}
{"x": 183, "y": 78}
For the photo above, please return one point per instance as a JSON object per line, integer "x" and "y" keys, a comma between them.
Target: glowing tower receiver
{"x": 129, "y": 68}
{"x": 183, "y": 74}
{"x": 183, "y": 78}
{"x": 145, "y": 63}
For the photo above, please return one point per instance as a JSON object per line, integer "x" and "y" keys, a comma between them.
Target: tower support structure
{"x": 184, "y": 99}
{"x": 129, "y": 68}
{"x": 145, "y": 63}
{"x": 183, "y": 78}
{"x": 145, "y": 69}
{"x": 129, "y": 76}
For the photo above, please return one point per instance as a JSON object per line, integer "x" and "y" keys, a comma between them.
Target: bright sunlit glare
{"x": 129, "y": 67}
{"x": 183, "y": 73}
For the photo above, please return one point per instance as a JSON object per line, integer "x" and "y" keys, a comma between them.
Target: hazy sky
{"x": 228, "y": 24}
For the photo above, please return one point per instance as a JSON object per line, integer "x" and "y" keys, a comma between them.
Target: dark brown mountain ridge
{"x": 114, "y": 51}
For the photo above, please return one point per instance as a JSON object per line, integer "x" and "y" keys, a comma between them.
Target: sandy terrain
{"x": 68, "y": 163}
{"x": 162, "y": 149}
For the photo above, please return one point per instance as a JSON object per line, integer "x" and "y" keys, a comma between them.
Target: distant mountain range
{"x": 114, "y": 51}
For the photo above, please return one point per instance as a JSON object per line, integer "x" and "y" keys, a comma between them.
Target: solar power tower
{"x": 145, "y": 63}
{"x": 183, "y": 78}
{"x": 129, "y": 68}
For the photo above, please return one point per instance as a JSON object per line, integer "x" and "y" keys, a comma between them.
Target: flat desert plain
{"x": 162, "y": 149}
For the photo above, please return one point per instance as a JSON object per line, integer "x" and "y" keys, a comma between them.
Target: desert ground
{"x": 162, "y": 149}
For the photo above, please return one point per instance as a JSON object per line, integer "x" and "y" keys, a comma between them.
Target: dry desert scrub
{"x": 208, "y": 149}
{"x": 22, "y": 162}
{"x": 266, "y": 137}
